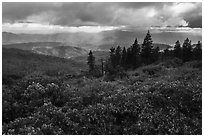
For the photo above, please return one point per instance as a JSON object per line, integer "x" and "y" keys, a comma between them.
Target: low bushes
{"x": 167, "y": 102}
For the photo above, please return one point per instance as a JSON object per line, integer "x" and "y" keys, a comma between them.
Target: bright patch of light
{"x": 177, "y": 29}
{"x": 46, "y": 28}
{"x": 151, "y": 13}
{"x": 179, "y": 8}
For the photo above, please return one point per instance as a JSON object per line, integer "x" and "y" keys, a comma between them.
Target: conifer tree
{"x": 129, "y": 58}
{"x": 177, "y": 50}
{"x": 197, "y": 51}
{"x": 118, "y": 56}
{"x": 124, "y": 58}
{"x": 112, "y": 57}
{"x": 187, "y": 50}
{"x": 166, "y": 54}
{"x": 91, "y": 62}
{"x": 156, "y": 54}
{"x": 147, "y": 47}
{"x": 109, "y": 70}
{"x": 135, "y": 54}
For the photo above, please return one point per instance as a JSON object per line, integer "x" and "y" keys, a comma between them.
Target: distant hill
{"x": 83, "y": 40}
{"x": 31, "y": 45}
{"x": 61, "y": 51}
{"x": 57, "y": 49}
{"x": 21, "y": 62}
{"x": 8, "y": 38}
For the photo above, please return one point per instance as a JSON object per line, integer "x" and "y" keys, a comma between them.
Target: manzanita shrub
{"x": 168, "y": 103}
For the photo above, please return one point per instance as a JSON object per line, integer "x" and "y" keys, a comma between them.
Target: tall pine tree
{"x": 135, "y": 54}
{"x": 118, "y": 55}
{"x": 124, "y": 58}
{"x": 112, "y": 57}
{"x": 155, "y": 54}
{"x": 147, "y": 47}
{"x": 187, "y": 50}
{"x": 129, "y": 58}
{"x": 91, "y": 62}
{"x": 178, "y": 50}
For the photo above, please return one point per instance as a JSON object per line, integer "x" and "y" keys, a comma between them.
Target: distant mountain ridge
{"x": 83, "y": 40}
{"x": 57, "y": 49}
{"x": 101, "y": 41}
{"x": 30, "y": 45}
{"x": 61, "y": 51}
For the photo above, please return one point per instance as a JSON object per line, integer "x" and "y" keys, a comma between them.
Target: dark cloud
{"x": 102, "y": 14}
{"x": 195, "y": 22}
{"x": 79, "y": 14}
{"x": 194, "y": 18}
{"x": 12, "y": 11}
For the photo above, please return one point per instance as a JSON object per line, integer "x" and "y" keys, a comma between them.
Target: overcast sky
{"x": 97, "y": 17}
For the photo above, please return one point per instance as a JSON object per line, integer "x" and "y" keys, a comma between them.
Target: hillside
{"x": 31, "y": 45}
{"x": 83, "y": 40}
{"x": 19, "y": 63}
{"x": 57, "y": 49}
{"x": 60, "y": 51}
{"x": 166, "y": 102}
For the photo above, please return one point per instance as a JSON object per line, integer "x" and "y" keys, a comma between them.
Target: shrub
{"x": 153, "y": 70}
{"x": 167, "y": 102}
{"x": 175, "y": 62}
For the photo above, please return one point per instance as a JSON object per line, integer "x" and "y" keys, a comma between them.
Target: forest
{"x": 139, "y": 90}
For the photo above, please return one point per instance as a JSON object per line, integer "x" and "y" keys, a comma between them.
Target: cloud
{"x": 195, "y": 22}
{"x": 136, "y": 14}
{"x": 27, "y": 27}
{"x": 194, "y": 17}
{"x": 197, "y": 31}
{"x": 181, "y": 14}
{"x": 13, "y": 11}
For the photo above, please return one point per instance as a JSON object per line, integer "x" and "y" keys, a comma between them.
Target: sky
{"x": 96, "y": 17}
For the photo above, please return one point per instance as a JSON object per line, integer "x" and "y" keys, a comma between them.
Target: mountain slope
{"x": 20, "y": 62}
{"x": 83, "y": 40}
{"x": 57, "y": 49}
{"x": 60, "y": 51}
{"x": 31, "y": 45}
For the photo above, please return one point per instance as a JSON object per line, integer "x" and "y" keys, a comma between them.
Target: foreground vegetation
{"x": 166, "y": 102}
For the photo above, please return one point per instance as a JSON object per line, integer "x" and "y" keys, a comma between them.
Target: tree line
{"x": 136, "y": 55}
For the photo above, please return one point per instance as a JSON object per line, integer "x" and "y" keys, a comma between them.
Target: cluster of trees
{"x": 186, "y": 53}
{"x": 136, "y": 55}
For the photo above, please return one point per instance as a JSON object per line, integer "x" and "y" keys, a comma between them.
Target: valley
{"x": 56, "y": 49}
